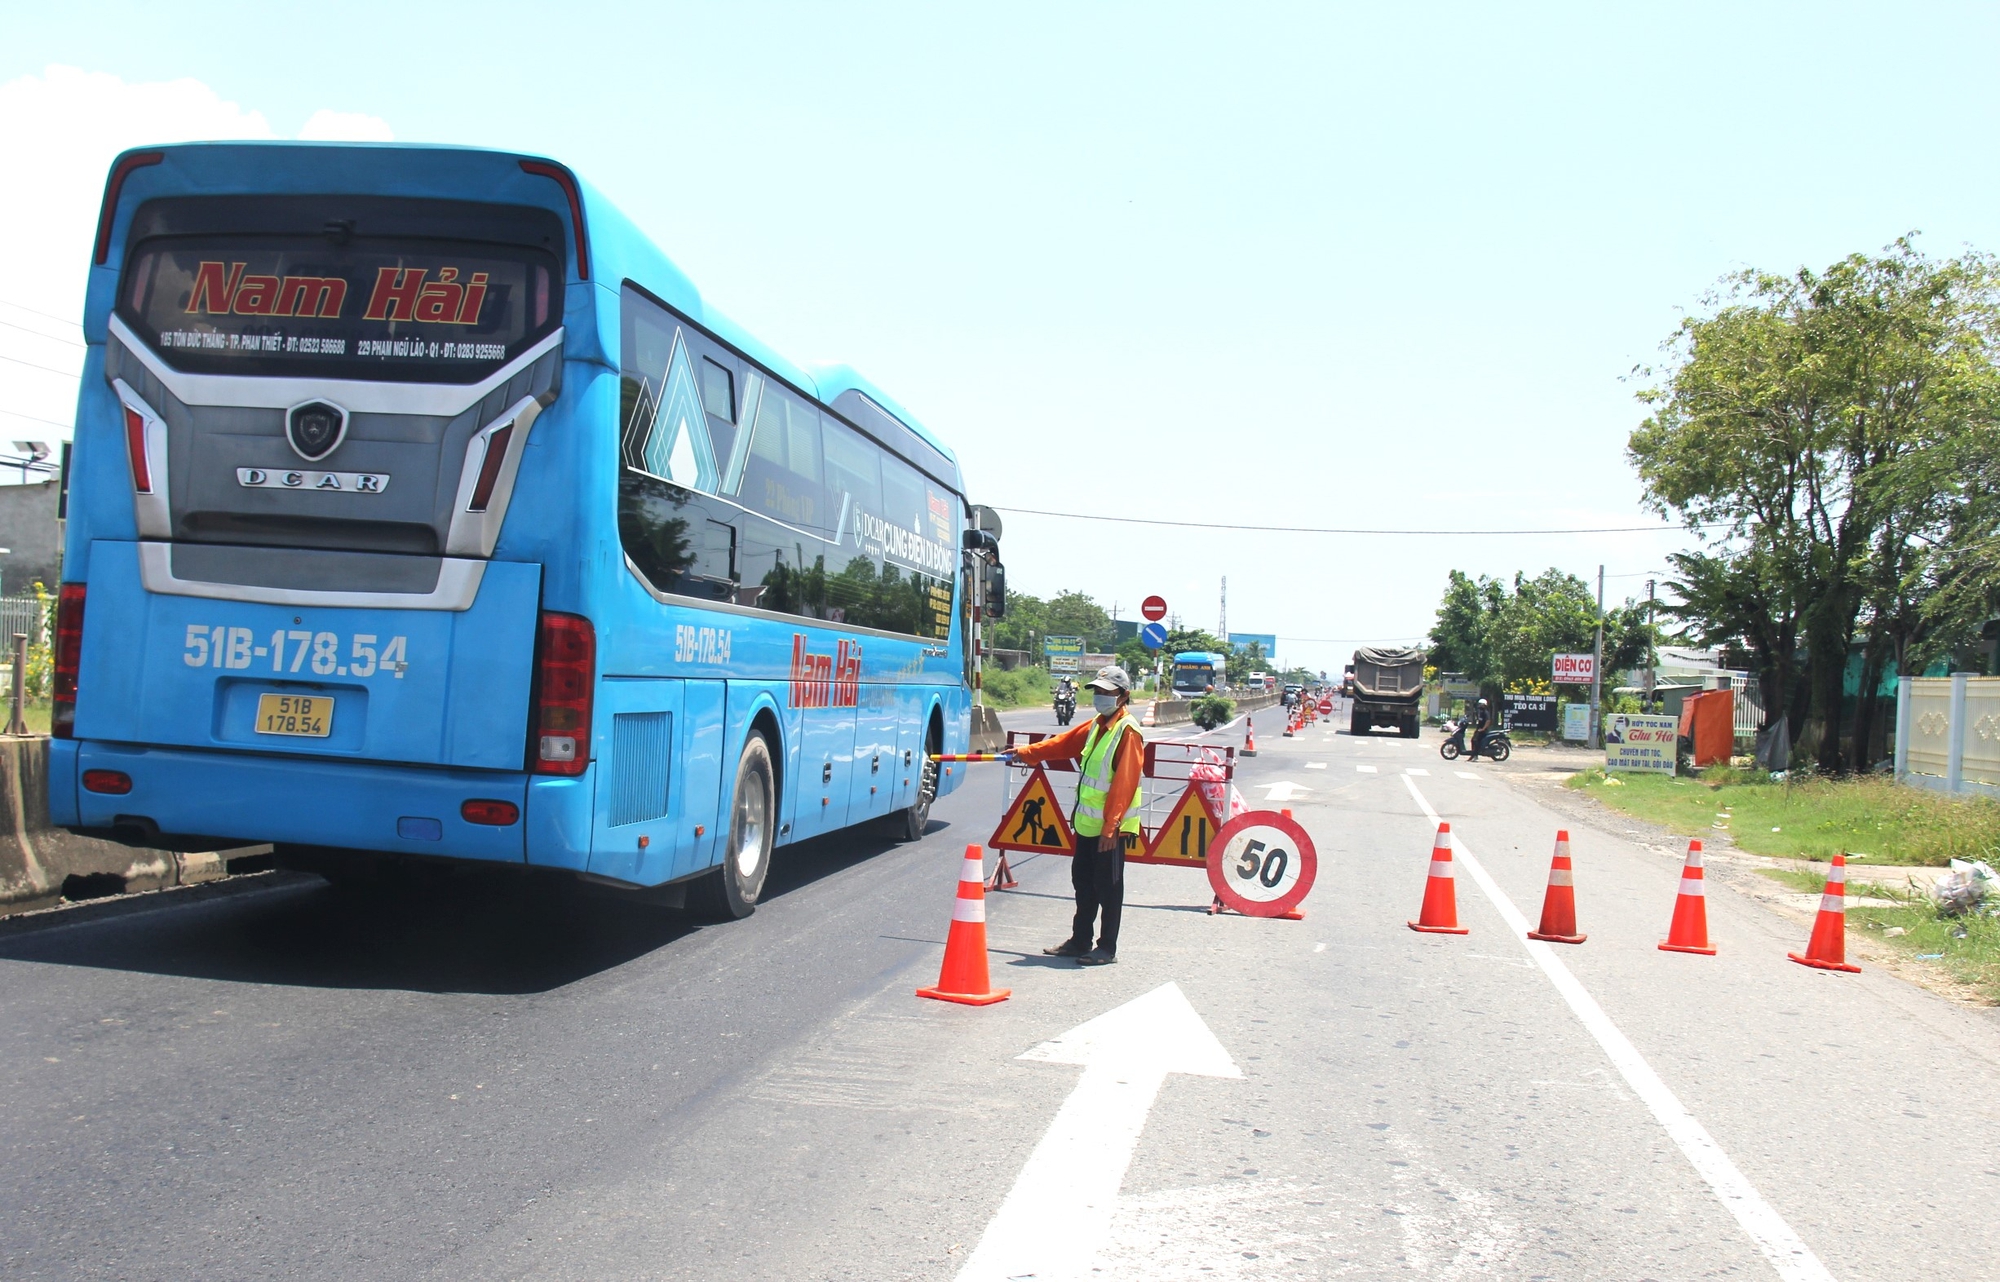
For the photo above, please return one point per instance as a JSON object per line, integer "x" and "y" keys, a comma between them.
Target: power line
{"x": 1315, "y": 529}
{"x": 36, "y": 311}
{"x": 31, "y": 365}
{"x": 36, "y": 418}
{"x": 53, "y": 338}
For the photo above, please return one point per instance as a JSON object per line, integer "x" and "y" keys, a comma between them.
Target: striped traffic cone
{"x": 1440, "y": 914}
{"x": 1689, "y": 931}
{"x": 963, "y": 978}
{"x": 1249, "y": 738}
{"x": 1559, "y": 904}
{"x": 1828, "y": 948}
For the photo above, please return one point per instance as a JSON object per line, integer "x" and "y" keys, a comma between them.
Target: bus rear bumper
{"x": 348, "y": 804}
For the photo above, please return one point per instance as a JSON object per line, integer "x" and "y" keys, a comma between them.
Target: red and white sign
{"x": 1261, "y": 864}
{"x": 1574, "y": 669}
{"x": 1154, "y": 608}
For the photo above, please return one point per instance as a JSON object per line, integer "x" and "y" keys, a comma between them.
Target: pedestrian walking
{"x": 1109, "y": 750}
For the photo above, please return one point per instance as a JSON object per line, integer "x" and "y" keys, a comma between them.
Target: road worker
{"x": 1110, "y": 752}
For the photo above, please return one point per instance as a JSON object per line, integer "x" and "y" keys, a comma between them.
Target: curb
{"x": 89, "y": 911}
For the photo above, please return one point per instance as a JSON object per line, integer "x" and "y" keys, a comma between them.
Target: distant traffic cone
{"x": 963, "y": 978}
{"x": 1249, "y": 738}
{"x": 1440, "y": 914}
{"x": 1828, "y": 949}
{"x": 1689, "y": 932}
{"x": 1559, "y": 904}
{"x": 1291, "y": 723}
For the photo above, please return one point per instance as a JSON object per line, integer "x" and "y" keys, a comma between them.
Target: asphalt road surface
{"x": 489, "y": 1080}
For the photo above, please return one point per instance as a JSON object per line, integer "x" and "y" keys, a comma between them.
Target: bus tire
{"x": 731, "y": 891}
{"x": 910, "y": 823}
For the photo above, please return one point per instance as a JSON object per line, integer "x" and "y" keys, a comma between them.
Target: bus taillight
{"x": 565, "y": 666}
{"x": 135, "y": 446}
{"x": 68, "y": 656}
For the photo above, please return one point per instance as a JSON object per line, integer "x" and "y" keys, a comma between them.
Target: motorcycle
{"x": 1065, "y": 707}
{"x": 1497, "y": 746}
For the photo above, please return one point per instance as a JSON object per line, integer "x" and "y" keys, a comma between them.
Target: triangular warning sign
{"x": 1184, "y": 837}
{"x": 1035, "y": 822}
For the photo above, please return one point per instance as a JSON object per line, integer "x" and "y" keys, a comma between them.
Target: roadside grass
{"x": 1872, "y": 817}
{"x": 1966, "y": 948}
{"x": 1020, "y": 688}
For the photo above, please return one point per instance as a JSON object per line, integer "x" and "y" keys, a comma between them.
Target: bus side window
{"x": 782, "y": 476}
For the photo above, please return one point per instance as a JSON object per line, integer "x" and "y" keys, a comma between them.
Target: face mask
{"x": 1104, "y": 703}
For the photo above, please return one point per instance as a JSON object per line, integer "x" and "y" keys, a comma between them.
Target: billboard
{"x": 1573, "y": 669}
{"x": 1635, "y": 742}
{"x": 1530, "y": 712}
{"x": 1065, "y": 655}
{"x": 1269, "y": 640}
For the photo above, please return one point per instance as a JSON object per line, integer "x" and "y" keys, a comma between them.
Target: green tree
{"x": 1786, "y": 429}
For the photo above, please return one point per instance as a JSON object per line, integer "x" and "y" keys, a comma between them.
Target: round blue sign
{"x": 1153, "y": 635}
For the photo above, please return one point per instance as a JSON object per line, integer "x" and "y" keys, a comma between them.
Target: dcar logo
{"x": 825, "y": 680}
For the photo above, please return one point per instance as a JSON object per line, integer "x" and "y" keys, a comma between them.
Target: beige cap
{"x": 1111, "y": 680}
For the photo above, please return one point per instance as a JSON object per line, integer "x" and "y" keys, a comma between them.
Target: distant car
{"x": 1292, "y": 692}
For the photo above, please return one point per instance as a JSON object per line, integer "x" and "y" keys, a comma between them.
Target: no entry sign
{"x": 1261, "y": 864}
{"x": 1154, "y": 608}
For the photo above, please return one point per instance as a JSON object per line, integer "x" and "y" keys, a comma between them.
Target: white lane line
{"x": 1465, "y": 774}
{"x": 1786, "y": 1251}
{"x": 1315, "y": 765}
{"x": 1416, "y": 770}
{"x": 1366, "y": 770}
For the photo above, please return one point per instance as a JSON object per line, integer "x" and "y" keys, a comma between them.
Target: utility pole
{"x": 1597, "y": 673}
{"x": 1222, "y": 621}
{"x": 1651, "y": 658}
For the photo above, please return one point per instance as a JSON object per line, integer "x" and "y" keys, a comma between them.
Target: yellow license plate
{"x": 308, "y": 716}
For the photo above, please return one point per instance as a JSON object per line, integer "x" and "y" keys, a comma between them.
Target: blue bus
{"x": 1197, "y": 672}
{"x": 420, "y": 508}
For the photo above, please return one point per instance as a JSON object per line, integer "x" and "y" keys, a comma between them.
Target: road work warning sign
{"x": 1035, "y": 821}
{"x": 1184, "y": 837}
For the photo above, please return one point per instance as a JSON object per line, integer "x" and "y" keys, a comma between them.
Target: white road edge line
{"x": 1786, "y": 1251}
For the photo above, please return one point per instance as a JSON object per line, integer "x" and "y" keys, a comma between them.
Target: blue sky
{"x": 1307, "y": 265}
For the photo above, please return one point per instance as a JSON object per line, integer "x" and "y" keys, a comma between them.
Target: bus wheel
{"x": 909, "y": 823}
{"x": 731, "y": 891}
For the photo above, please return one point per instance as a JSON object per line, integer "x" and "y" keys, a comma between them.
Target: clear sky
{"x": 1381, "y": 266}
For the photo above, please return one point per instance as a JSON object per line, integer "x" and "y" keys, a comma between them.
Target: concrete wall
{"x": 28, "y": 527}
{"x": 40, "y": 865}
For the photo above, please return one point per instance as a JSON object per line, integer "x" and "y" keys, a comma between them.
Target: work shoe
{"x": 1067, "y": 948}
{"x": 1097, "y": 957}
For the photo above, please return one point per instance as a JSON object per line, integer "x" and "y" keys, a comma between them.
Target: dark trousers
{"x": 1098, "y": 877}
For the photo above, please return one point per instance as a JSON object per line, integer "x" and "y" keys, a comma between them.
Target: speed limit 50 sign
{"x": 1261, "y": 864}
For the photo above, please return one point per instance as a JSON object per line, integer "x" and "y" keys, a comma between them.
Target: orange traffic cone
{"x": 1291, "y": 723}
{"x": 1440, "y": 914}
{"x": 1828, "y": 949}
{"x": 1249, "y": 738}
{"x": 1559, "y": 904}
{"x": 1689, "y": 932}
{"x": 963, "y": 978}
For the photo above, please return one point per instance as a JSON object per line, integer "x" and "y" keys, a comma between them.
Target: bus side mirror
{"x": 996, "y": 591}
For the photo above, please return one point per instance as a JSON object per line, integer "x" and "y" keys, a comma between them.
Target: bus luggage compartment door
{"x": 429, "y": 687}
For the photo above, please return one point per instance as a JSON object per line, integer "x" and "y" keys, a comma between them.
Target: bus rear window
{"x": 410, "y": 310}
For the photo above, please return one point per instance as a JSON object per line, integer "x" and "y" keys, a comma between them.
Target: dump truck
{"x": 1388, "y": 690}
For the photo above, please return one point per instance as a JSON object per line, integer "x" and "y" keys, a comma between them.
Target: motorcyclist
{"x": 1481, "y": 723}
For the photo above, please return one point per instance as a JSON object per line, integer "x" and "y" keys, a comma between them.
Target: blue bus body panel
{"x": 461, "y": 700}
{"x": 351, "y": 804}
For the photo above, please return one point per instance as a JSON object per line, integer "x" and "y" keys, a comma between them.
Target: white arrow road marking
{"x": 1058, "y": 1214}
{"x": 1283, "y": 790}
{"x": 1786, "y": 1251}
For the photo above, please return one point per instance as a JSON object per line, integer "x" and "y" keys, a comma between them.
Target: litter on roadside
{"x": 1930, "y": 956}
{"x": 1963, "y": 888}
{"x": 1894, "y": 931}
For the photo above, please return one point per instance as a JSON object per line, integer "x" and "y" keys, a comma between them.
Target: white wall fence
{"x": 1948, "y": 733}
